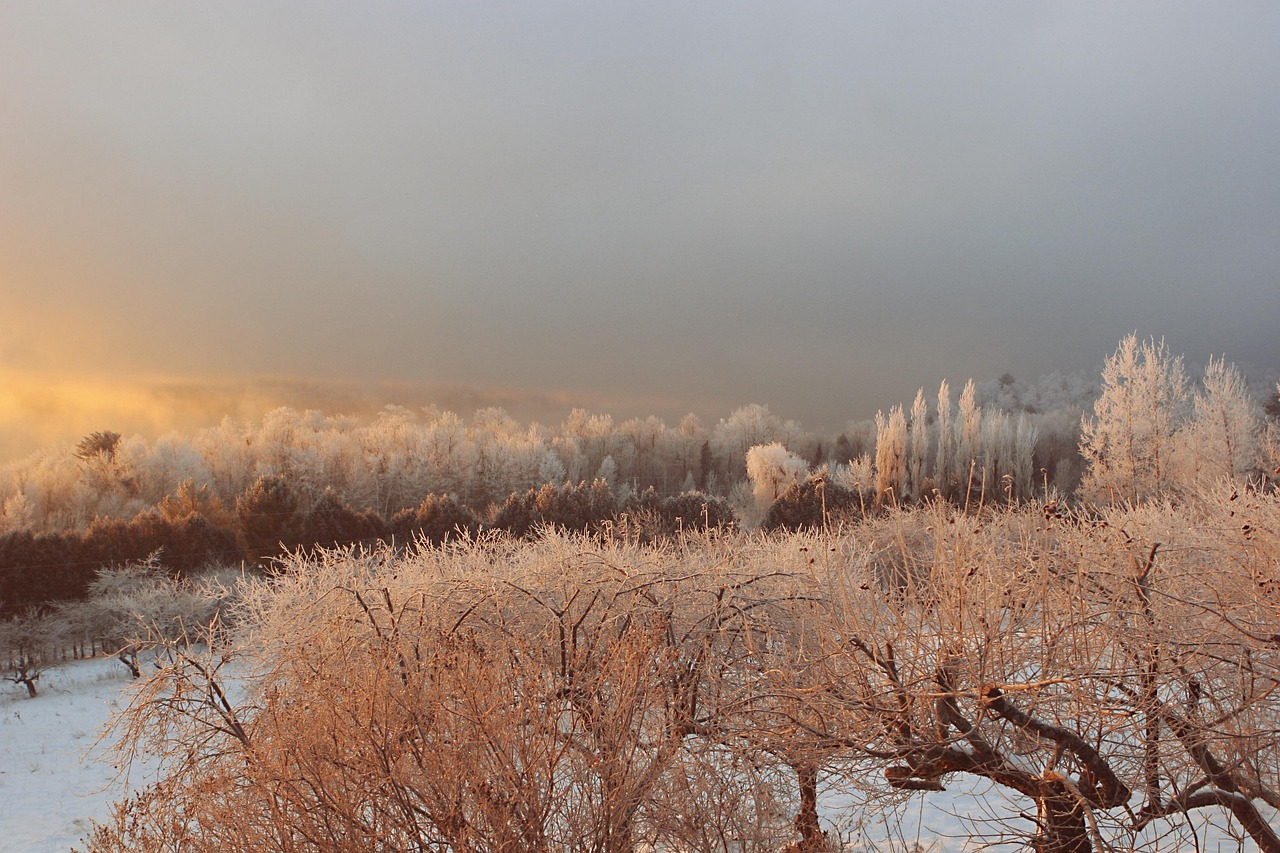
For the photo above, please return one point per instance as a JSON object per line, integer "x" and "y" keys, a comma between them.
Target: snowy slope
{"x": 51, "y": 781}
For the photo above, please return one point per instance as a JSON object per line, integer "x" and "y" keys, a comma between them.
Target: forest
{"x": 425, "y": 633}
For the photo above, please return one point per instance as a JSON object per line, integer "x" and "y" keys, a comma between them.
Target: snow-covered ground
{"x": 52, "y": 781}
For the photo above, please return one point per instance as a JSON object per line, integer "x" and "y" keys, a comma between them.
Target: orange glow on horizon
{"x": 43, "y": 410}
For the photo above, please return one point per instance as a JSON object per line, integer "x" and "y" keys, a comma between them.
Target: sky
{"x": 640, "y": 208}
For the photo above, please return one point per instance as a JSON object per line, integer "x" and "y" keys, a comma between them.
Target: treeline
{"x": 302, "y": 479}
{"x": 194, "y": 529}
{"x": 390, "y": 463}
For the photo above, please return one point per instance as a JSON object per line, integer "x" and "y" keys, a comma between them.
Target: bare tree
{"x": 1075, "y": 666}
{"x": 25, "y": 649}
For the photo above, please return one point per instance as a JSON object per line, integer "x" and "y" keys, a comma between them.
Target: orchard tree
{"x": 551, "y": 697}
{"x": 25, "y": 649}
{"x": 1119, "y": 676}
{"x": 141, "y": 604}
{"x": 575, "y": 694}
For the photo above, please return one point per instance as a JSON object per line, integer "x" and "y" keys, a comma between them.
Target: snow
{"x": 52, "y": 779}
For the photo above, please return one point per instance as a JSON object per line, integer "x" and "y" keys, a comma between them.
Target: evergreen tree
{"x": 269, "y": 517}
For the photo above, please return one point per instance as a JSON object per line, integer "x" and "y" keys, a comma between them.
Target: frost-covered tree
{"x": 1222, "y": 438}
{"x": 945, "y": 439}
{"x": 585, "y": 440}
{"x": 139, "y": 604}
{"x": 891, "y": 452}
{"x": 508, "y": 458}
{"x": 288, "y": 444}
{"x": 772, "y": 469}
{"x": 228, "y": 453}
{"x": 607, "y": 472}
{"x": 644, "y": 462}
{"x": 437, "y": 518}
{"x": 1270, "y": 438}
{"x": 436, "y": 456}
{"x": 917, "y": 448}
{"x": 106, "y": 487}
{"x": 744, "y": 428}
{"x": 157, "y": 468}
{"x": 1023, "y": 471}
{"x": 995, "y": 455}
{"x": 25, "y": 649}
{"x": 1128, "y": 443}
{"x": 270, "y": 516}
{"x": 98, "y": 447}
{"x": 688, "y": 440}
{"x": 859, "y": 476}
{"x": 16, "y": 513}
{"x": 968, "y": 439}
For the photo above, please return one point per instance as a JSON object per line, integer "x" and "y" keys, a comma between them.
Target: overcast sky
{"x": 651, "y": 207}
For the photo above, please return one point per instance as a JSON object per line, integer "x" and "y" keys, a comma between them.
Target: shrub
{"x": 656, "y": 518}
{"x": 331, "y": 522}
{"x": 436, "y": 519}
{"x": 811, "y": 505}
{"x": 579, "y": 508}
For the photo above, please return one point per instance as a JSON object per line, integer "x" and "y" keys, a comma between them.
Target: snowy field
{"x": 54, "y": 779}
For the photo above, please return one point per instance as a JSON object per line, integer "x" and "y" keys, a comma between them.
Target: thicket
{"x": 1114, "y": 675}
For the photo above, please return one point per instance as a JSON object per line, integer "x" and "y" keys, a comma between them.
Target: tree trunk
{"x": 812, "y": 838}
{"x": 130, "y": 659}
{"x": 1061, "y": 824}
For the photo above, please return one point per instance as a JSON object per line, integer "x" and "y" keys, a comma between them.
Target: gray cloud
{"x": 819, "y": 206}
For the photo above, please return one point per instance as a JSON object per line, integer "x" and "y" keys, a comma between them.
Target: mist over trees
{"x": 298, "y": 479}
